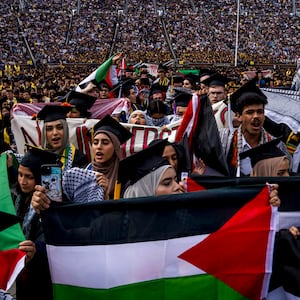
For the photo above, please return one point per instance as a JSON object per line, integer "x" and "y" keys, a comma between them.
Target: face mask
{"x": 158, "y": 122}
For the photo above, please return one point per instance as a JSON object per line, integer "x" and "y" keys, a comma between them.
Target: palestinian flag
{"x": 285, "y": 279}
{"x": 105, "y": 72}
{"x": 11, "y": 258}
{"x": 199, "y": 124}
{"x": 214, "y": 244}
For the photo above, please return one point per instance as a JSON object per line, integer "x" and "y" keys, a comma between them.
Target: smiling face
{"x": 26, "y": 179}
{"x": 54, "y": 134}
{"x": 102, "y": 148}
{"x": 168, "y": 183}
{"x": 252, "y": 120}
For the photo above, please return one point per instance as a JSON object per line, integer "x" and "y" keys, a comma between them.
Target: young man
{"x": 248, "y": 103}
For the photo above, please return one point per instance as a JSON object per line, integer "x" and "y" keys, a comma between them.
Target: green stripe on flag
{"x": 206, "y": 286}
{"x": 10, "y": 237}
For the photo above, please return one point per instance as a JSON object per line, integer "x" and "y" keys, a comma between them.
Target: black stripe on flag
{"x": 144, "y": 219}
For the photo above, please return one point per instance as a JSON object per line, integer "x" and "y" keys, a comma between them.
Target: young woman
{"x": 36, "y": 272}
{"x": 107, "y": 138}
{"x": 147, "y": 173}
{"x": 55, "y": 136}
{"x": 276, "y": 166}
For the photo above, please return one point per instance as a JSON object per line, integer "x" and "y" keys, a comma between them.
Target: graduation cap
{"x": 77, "y": 98}
{"x": 193, "y": 78}
{"x": 163, "y": 68}
{"x": 110, "y": 124}
{"x": 264, "y": 151}
{"x": 82, "y": 102}
{"x": 216, "y": 80}
{"x": 138, "y": 165}
{"x": 249, "y": 92}
{"x": 35, "y": 157}
{"x": 157, "y": 107}
{"x": 182, "y": 96}
{"x": 177, "y": 78}
{"x": 51, "y": 113}
{"x": 206, "y": 72}
{"x": 7, "y": 220}
{"x": 145, "y": 81}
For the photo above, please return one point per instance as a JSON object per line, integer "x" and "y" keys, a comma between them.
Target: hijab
{"x": 65, "y": 141}
{"x": 147, "y": 185}
{"x": 109, "y": 168}
{"x": 267, "y": 167}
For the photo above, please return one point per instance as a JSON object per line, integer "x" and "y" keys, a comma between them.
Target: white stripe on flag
{"x": 288, "y": 219}
{"x": 281, "y": 294}
{"x": 107, "y": 266}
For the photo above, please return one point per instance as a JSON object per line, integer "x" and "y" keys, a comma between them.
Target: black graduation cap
{"x": 82, "y": 102}
{"x": 193, "y": 78}
{"x": 157, "y": 107}
{"x": 138, "y": 165}
{"x": 145, "y": 81}
{"x": 51, "y": 113}
{"x": 77, "y": 99}
{"x": 177, "y": 78}
{"x": 182, "y": 96}
{"x": 110, "y": 124}
{"x": 7, "y": 220}
{"x": 206, "y": 72}
{"x": 249, "y": 89}
{"x": 162, "y": 67}
{"x": 216, "y": 79}
{"x": 264, "y": 151}
{"x": 35, "y": 157}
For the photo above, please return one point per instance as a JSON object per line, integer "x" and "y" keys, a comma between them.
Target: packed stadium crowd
{"x": 199, "y": 31}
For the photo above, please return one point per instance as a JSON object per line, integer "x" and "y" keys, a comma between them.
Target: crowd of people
{"x": 196, "y": 31}
{"x": 64, "y": 33}
{"x": 154, "y": 171}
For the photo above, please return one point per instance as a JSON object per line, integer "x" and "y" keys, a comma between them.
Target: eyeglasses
{"x": 159, "y": 98}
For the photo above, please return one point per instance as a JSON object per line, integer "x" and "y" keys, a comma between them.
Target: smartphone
{"x": 184, "y": 178}
{"x": 51, "y": 179}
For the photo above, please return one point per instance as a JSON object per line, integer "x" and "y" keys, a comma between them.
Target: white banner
{"x": 27, "y": 131}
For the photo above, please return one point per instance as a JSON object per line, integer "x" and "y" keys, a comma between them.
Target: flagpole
{"x": 237, "y": 33}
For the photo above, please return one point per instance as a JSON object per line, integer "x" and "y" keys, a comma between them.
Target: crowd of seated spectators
{"x": 200, "y": 31}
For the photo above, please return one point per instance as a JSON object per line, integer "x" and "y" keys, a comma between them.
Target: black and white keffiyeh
{"x": 80, "y": 185}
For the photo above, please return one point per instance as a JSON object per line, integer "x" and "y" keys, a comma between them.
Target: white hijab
{"x": 147, "y": 185}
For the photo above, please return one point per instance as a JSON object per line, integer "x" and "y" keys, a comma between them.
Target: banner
{"x": 26, "y": 131}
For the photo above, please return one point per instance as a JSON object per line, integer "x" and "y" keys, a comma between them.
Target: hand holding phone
{"x": 51, "y": 179}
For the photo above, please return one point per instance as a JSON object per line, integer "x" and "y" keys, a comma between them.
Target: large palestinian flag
{"x": 215, "y": 244}
{"x": 11, "y": 259}
{"x": 285, "y": 279}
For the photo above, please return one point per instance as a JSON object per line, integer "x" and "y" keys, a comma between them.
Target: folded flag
{"x": 11, "y": 258}
{"x": 167, "y": 247}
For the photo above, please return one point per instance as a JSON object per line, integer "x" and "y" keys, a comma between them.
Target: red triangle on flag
{"x": 236, "y": 253}
{"x": 11, "y": 262}
{"x": 193, "y": 186}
